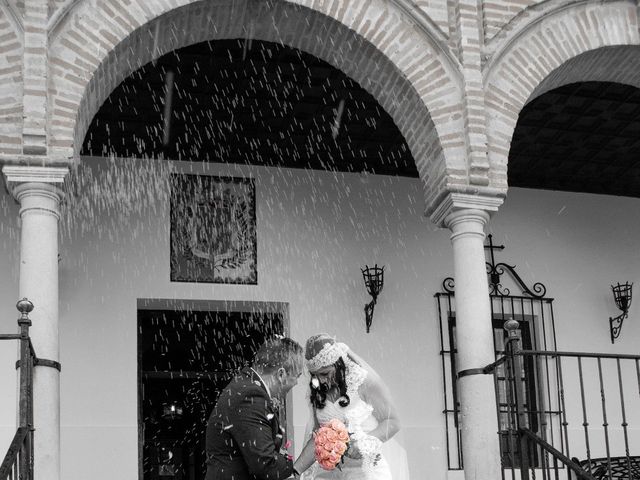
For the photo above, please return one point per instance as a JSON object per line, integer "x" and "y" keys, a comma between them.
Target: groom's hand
{"x": 295, "y": 474}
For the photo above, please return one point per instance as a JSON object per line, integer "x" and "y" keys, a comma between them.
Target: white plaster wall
{"x": 315, "y": 231}
{"x": 577, "y": 245}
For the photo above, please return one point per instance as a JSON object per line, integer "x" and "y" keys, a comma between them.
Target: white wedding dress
{"x": 358, "y": 417}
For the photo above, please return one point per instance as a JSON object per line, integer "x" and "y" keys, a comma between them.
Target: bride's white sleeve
{"x": 310, "y": 473}
{"x": 396, "y": 457}
{"x": 393, "y": 449}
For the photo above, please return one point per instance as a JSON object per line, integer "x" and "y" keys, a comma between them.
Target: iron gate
{"x": 534, "y": 313}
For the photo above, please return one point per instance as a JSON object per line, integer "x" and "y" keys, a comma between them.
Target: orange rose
{"x": 327, "y": 464}
{"x": 336, "y": 424}
{"x": 330, "y": 443}
{"x": 340, "y": 448}
{"x": 332, "y": 435}
{"x": 321, "y": 437}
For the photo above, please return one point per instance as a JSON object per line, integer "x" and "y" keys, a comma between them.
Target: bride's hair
{"x": 319, "y": 394}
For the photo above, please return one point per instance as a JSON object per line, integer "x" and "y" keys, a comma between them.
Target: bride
{"x": 345, "y": 387}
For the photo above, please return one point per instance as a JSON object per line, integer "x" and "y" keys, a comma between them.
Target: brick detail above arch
{"x": 532, "y": 53}
{"x": 17, "y": 5}
{"x": 56, "y": 5}
{"x": 437, "y": 10}
{"x": 11, "y": 46}
{"x": 498, "y": 13}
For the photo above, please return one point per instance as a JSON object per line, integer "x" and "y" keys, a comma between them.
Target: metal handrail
{"x": 18, "y": 462}
{"x": 535, "y": 451}
{"x": 11, "y": 459}
{"x": 581, "y": 473}
{"x": 552, "y": 353}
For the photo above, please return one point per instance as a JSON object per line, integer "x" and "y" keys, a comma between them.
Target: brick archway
{"x": 411, "y": 74}
{"x": 11, "y": 44}
{"x": 619, "y": 64}
{"x": 562, "y": 46}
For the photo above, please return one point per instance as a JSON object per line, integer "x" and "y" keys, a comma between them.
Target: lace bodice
{"x": 359, "y": 419}
{"x": 358, "y": 415}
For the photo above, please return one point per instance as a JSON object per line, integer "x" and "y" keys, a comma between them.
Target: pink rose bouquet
{"x": 331, "y": 441}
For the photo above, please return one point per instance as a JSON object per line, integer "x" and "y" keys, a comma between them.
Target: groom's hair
{"x": 319, "y": 394}
{"x": 279, "y": 352}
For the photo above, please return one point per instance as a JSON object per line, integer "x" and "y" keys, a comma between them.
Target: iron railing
{"x": 594, "y": 435}
{"x": 18, "y": 462}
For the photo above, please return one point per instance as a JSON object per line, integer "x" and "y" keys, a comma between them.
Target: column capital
{"x": 457, "y": 202}
{"x": 22, "y": 179}
{"x": 31, "y": 174}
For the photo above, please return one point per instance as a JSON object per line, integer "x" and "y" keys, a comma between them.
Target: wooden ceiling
{"x": 582, "y": 137}
{"x": 261, "y": 103}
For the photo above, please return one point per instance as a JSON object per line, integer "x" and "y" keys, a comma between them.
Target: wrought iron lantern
{"x": 373, "y": 281}
{"x": 622, "y": 297}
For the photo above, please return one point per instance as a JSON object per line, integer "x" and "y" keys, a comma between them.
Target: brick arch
{"x": 412, "y": 75}
{"x": 11, "y": 46}
{"x": 619, "y": 64}
{"x": 554, "y": 50}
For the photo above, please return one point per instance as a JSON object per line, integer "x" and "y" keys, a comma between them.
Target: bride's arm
{"x": 308, "y": 454}
{"x": 376, "y": 394}
{"x": 306, "y": 458}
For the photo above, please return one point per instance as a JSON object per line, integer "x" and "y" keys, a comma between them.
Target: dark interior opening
{"x": 249, "y": 102}
{"x": 185, "y": 359}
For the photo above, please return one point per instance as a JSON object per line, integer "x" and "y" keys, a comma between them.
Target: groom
{"x": 244, "y": 435}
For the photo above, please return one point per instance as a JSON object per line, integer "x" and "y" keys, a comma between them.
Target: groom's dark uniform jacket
{"x": 244, "y": 435}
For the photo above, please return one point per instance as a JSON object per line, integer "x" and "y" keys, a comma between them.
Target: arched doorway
{"x": 225, "y": 106}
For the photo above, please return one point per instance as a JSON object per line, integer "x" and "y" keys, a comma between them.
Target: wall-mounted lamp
{"x": 622, "y": 297}
{"x": 374, "y": 281}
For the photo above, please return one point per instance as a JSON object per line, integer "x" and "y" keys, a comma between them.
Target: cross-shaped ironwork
{"x": 495, "y": 271}
{"x": 491, "y": 247}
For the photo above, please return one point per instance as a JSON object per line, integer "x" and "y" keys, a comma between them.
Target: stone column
{"x": 466, "y": 215}
{"x": 36, "y": 189}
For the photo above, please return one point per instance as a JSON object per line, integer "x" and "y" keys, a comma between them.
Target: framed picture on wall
{"x": 213, "y": 229}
